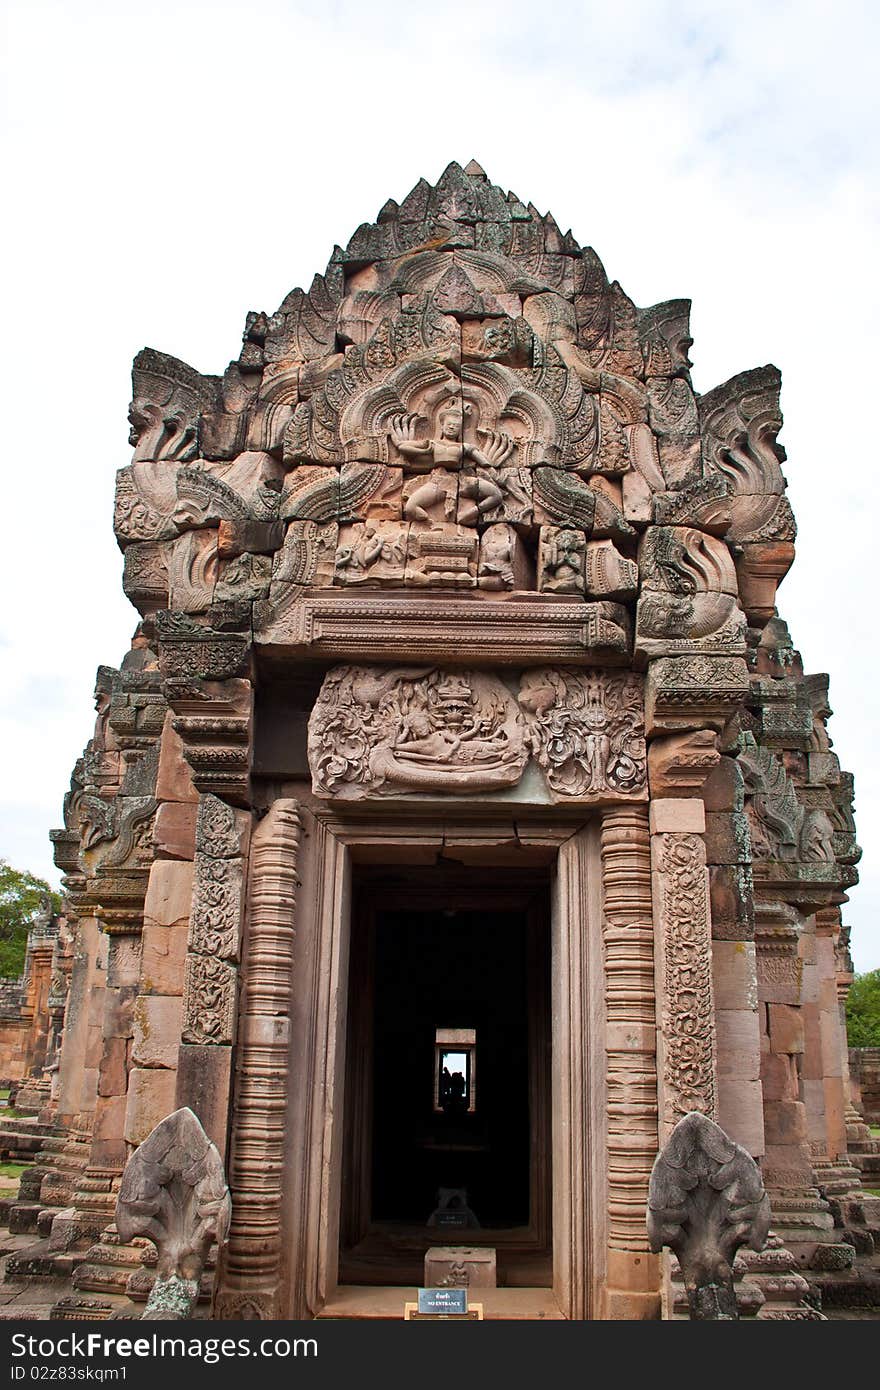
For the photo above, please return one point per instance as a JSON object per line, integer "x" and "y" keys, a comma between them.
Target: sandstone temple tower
{"x": 462, "y": 815}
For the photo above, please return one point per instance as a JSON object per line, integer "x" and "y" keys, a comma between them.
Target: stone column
{"x": 633, "y": 1274}
{"x": 249, "y": 1283}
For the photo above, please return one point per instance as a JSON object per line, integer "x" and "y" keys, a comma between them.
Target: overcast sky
{"x": 170, "y": 166}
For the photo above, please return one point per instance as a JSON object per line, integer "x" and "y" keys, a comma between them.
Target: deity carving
{"x": 561, "y": 560}
{"x": 449, "y": 449}
{"x": 377, "y": 731}
{"x": 586, "y": 730}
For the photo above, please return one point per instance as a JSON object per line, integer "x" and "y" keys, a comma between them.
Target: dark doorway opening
{"x": 448, "y": 1075}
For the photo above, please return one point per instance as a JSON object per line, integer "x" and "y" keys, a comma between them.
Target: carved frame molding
{"x": 604, "y": 1109}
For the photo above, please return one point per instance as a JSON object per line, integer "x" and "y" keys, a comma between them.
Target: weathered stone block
{"x": 157, "y": 1023}
{"x": 786, "y": 1028}
{"x": 779, "y": 1076}
{"x": 173, "y": 780}
{"x": 118, "y": 1010}
{"x": 204, "y": 1083}
{"x": 740, "y": 1112}
{"x": 677, "y": 815}
{"x": 123, "y": 961}
{"x": 786, "y": 1123}
{"x": 730, "y": 894}
{"x": 113, "y": 1071}
{"x": 727, "y": 838}
{"x": 738, "y": 1043}
{"x": 679, "y": 764}
{"x": 733, "y": 973}
{"x": 163, "y": 959}
{"x": 150, "y": 1099}
{"x": 724, "y": 788}
{"x": 169, "y": 892}
{"x": 110, "y": 1117}
{"x": 174, "y": 832}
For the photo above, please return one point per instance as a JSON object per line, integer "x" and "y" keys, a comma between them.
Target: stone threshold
{"x": 375, "y": 1301}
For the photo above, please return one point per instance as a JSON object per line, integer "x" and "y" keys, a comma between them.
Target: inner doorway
{"x": 447, "y": 1115}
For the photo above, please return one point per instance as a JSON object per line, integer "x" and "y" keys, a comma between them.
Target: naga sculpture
{"x": 174, "y": 1191}
{"x": 706, "y": 1198}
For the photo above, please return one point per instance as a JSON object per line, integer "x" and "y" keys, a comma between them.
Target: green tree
{"x": 863, "y": 1011}
{"x": 21, "y": 897}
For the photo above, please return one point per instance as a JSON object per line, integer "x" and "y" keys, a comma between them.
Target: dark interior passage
{"x": 452, "y": 970}
{"x": 449, "y": 967}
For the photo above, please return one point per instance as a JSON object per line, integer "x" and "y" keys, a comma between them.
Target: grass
{"x": 13, "y": 1170}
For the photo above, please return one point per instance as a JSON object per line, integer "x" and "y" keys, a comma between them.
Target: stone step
{"x": 850, "y": 1288}
{"x": 749, "y": 1299}
{"x": 23, "y": 1218}
{"x": 79, "y": 1308}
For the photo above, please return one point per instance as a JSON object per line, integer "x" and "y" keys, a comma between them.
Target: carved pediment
{"x": 398, "y": 731}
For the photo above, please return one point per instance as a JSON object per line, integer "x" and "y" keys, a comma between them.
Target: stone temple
{"x": 462, "y": 816}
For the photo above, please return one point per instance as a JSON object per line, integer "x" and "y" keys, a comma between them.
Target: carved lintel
{"x": 116, "y": 898}
{"x": 586, "y": 731}
{"x": 391, "y": 731}
{"x": 515, "y": 631}
{"x": 706, "y": 1199}
{"x": 174, "y": 1192}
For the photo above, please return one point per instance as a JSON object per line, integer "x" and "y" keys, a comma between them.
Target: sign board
{"x": 473, "y": 1314}
{"x": 450, "y": 1302}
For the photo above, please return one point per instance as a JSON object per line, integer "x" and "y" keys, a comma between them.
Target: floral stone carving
{"x": 587, "y": 731}
{"x": 376, "y": 731}
{"x": 174, "y": 1192}
{"x": 706, "y": 1198}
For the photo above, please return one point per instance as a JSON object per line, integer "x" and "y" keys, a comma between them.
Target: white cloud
{"x": 170, "y": 168}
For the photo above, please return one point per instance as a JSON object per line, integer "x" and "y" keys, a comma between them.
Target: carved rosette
{"x": 587, "y": 732}
{"x": 383, "y": 732}
{"x": 684, "y": 974}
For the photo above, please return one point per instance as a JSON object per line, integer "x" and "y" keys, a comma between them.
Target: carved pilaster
{"x": 209, "y": 991}
{"x": 250, "y": 1285}
{"x": 686, "y": 1048}
{"x": 630, "y": 1025}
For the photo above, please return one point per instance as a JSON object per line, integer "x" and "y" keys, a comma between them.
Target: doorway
{"x": 447, "y": 1113}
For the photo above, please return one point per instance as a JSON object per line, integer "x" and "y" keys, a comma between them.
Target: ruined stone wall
{"x": 12, "y": 1028}
{"x": 864, "y": 1064}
